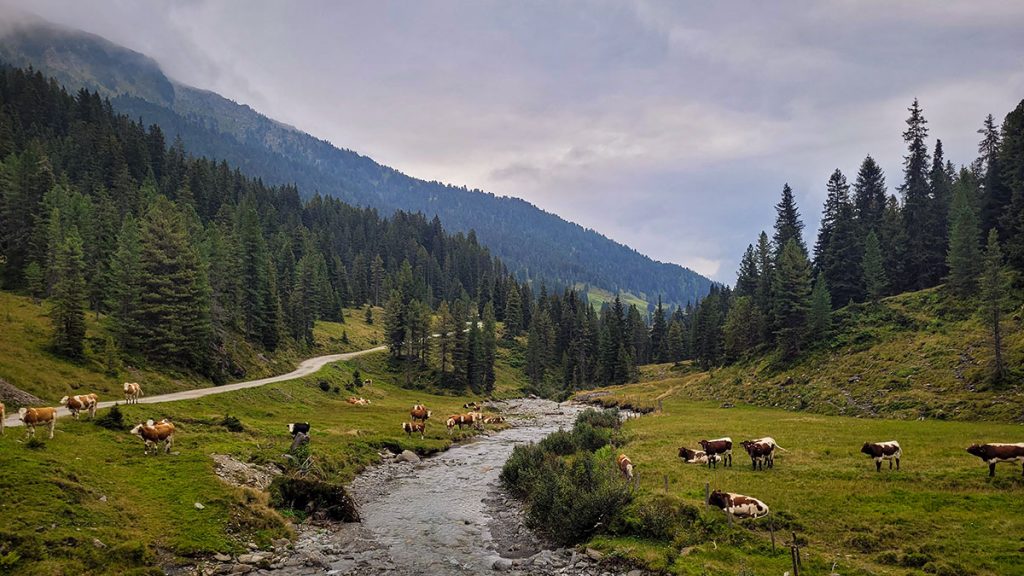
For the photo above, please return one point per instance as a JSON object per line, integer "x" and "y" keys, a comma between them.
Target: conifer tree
{"x": 659, "y": 334}
{"x": 743, "y": 328}
{"x": 126, "y": 292}
{"x": 765, "y": 277}
{"x": 69, "y": 298}
{"x": 792, "y": 292}
{"x": 892, "y": 239}
{"x": 918, "y": 219}
{"x": 35, "y": 281}
{"x": 837, "y": 196}
{"x": 873, "y": 269}
{"x": 1011, "y": 160}
{"x": 513, "y": 312}
{"x": 788, "y": 225}
{"x": 996, "y": 195}
{"x": 819, "y": 321}
{"x": 869, "y": 196}
{"x": 747, "y": 277}
{"x": 445, "y": 328}
{"x": 993, "y": 294}
{"x": 843, "y": 271}
{"x": 490, "y": 348}
{"x": 964, "y": 255}
{"x": 394, "y": 324}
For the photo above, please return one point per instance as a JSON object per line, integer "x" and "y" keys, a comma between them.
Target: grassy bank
{"x": 939, "y": 515}
{"x": 920, "y": 354}
{"x": 28, "y": 364}
{"x": 89, "y": 482}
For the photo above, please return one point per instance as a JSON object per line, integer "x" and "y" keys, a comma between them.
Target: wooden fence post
{"x": 666, "y": 483}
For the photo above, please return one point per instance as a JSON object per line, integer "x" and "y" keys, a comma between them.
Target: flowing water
{"x": 443, "y": 515}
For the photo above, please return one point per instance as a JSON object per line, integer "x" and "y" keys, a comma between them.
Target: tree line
{"x": 175, "y": 253}
{"x": 949, "y": 225}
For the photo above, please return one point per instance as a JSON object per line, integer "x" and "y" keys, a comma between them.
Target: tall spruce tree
{"x": 993, "y": 295}
{"x": 892, "y": 238}
{"x": 996, "y": 195}
{"x": 69, "y": 298}
{"x": 837, "y": 196}
{"x": 792, "y": 293}
{"x": 788, "y": 225}
{"x": 489, "y": 344}
{"x": 126, "y": 291}
{"x": 513, "y": 312}
{"x": 744, "y": 326}
{"x": 819, "y": 319}
{"x": 873, "y": 268}
{"x": 964, "y": 255}
{"x": 747, "y": 277}
{"x": 843, "y": 271}
{"x": 659, "y": 334}
{"x": 1011, "y": 160}
{"x": 918, "y": 213}
{"x": 869, "y": 196}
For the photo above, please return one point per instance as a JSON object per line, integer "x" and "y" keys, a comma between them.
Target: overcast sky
{"x": 670, "y": 127}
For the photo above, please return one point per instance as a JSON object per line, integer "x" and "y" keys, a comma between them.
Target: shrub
{"x": 232, "y": 424}
{"x": 560, "y": 442}
{"x": 520, "y": 466}
{"x": 113, "y": 419}
{"x": 590, "y": 438}
{"x": 608, "y": 418}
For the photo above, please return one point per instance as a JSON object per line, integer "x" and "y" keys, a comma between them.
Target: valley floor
{"x": 940, "y": 514}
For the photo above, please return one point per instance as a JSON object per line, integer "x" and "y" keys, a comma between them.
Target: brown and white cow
{"x": 721, "y": 447}
{"x": 738, "y": 505}
{"x": 360, "y": 401}
{"x": 153, "y": 433}
{"x": 879, "y": 451}
{"x": 696, "y": 456}
{"x": 993, "y": 453}
{"x": 33, "y": 417}
{"x": 132, "y": 392}
{"x": 625, "y": 466}
{"x": 461, "y": 420}
{"x": 367, "y": 382}
{"x": 420, "y": 413}
{"x": 762, "y": 452}
{"x": 493, "y": 419}
{"x": 3, "y": 414}
{"x": 81, "y": 402}
{"x": 450, "y": 424}
{"x": 410, "y": 427}
{"x": 474, "y": 406}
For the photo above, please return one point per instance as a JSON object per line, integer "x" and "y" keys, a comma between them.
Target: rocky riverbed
{"x": 446, "y": 514}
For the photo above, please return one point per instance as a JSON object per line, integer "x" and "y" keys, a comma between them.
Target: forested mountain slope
{"x": 534, "y": 244}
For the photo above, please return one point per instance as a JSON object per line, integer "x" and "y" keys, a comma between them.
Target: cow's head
{"x": 977, "y": 450}
{"x": 137, "y": 430}
{"x": 22, "y": 412}
{"x": 291, "y": 428}
{"x": 866, "y": 449}
{"x": 64, "y": 401}
{"x": 686, "y": 453}
{"x": 719, "y": 499}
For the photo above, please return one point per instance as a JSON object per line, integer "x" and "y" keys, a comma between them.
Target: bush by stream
{"x": 569, "y": 481}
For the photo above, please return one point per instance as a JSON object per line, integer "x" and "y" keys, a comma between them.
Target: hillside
{"x": 917, "y": 355}
{"x": 555, "y": 250}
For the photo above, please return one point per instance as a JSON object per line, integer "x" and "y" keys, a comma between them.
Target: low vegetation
{"x": 940, "y": 514}
{"x": 568, "y": 480}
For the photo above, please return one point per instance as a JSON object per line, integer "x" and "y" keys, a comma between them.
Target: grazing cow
{"x": 420, "y": 413}
{"x": 625, "y": 466}
{"x": 132, "y": 392}
{"x": 3, "y": 414}
{"x": 721, "y": 447}
{"x": 153, "y": 434}
{"x": 411, "y": 427}
{"x": 738, "y": 505}
{"x": 879, "y": 451}
{"x": 33, "y": 417}
{"x": 79, "y": 403}
{"x": 297, "y": 428}
{"x": 992, "y": 453}
{"x": 367, "y": 382}
{"x": 450, "y": 424}
{"x": 696, "y": 456}
{"x": 358, "y": 401}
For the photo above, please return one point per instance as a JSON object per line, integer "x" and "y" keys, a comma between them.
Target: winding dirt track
{"x": 306, "y": 367}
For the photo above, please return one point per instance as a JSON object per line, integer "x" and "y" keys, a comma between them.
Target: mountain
{"x": 534, "y": 244}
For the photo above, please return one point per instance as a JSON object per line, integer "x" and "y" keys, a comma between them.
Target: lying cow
{"x": 696, "y": 456}
{"x": 993, "y": 453}
{"x": 367, "y": 382}
{"x": 738, "y": 505}
{"x": 475, "y": 406}
{"x": 358, "y": 401}
{"x": 296, "y": 428}
{"x": 879, "y": 451}
{"x": 132, "y": 392}
{"x": 79, "y": 403}
{"x": 32, "y": 417}
{"x": 720, "y": 447}
{"x": 420, "y": 413}
{"x": 762, "y": 452}
{"x": 3, "y": 414}
{"x": 625, "y": 466}
{"x": 153, "y": 434}
{"x": 410, "y": 427}
{"x": 493, "y": 419}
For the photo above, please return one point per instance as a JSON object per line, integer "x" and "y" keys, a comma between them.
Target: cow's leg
{"x": 897, "y": 463}
{"x": 991, "y": 469}
{"x": 53, "y": 424}
{"x": 167, "y": 444}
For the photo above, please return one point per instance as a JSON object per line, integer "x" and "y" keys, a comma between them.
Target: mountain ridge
{"x": 561, "y": 252}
